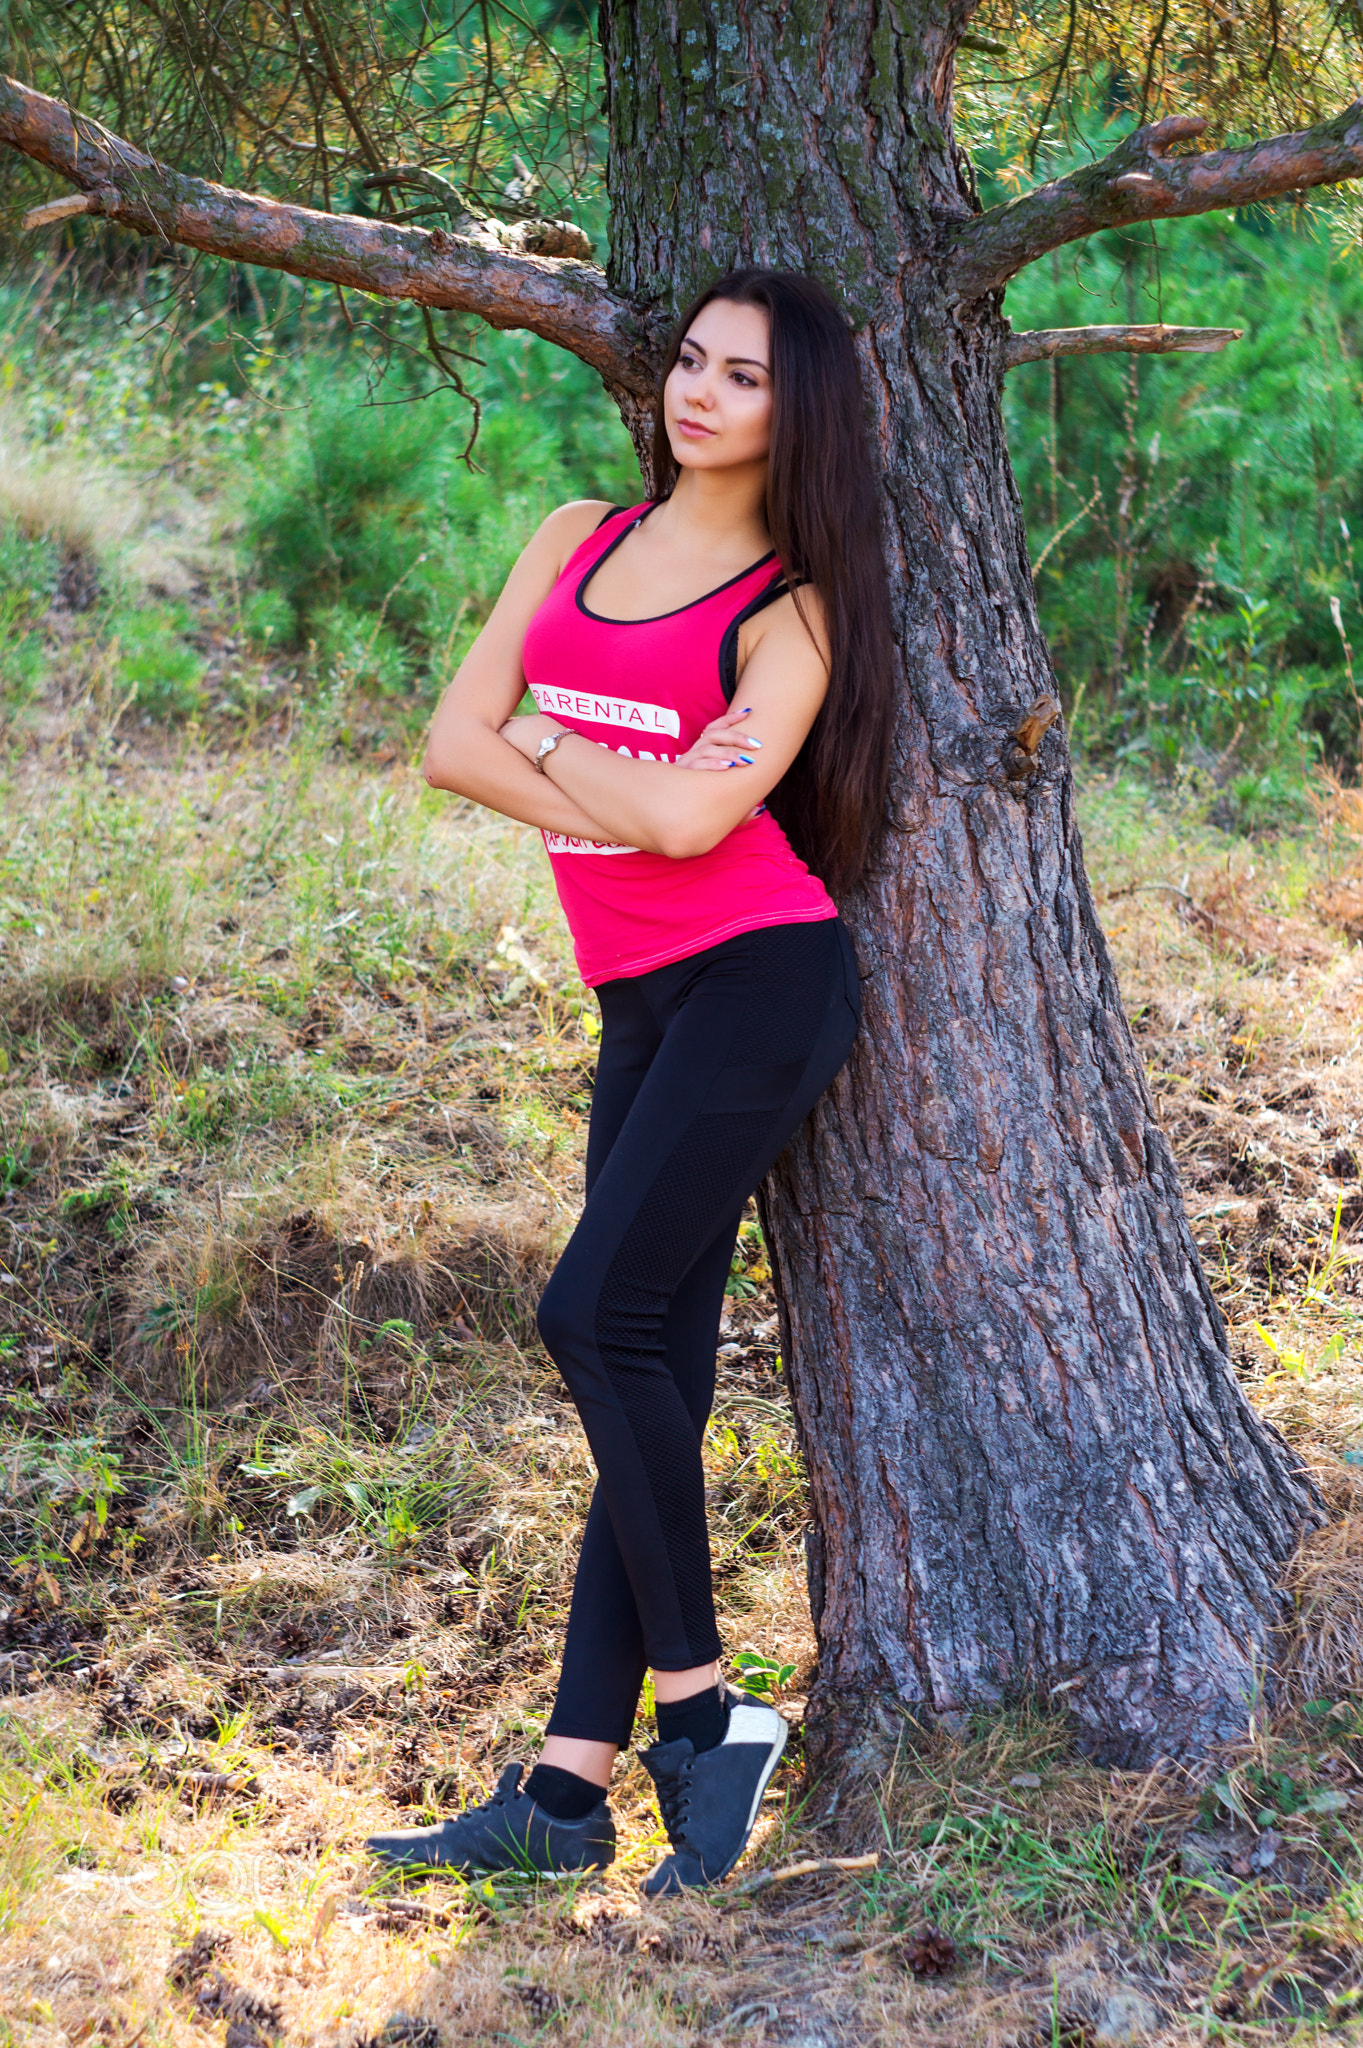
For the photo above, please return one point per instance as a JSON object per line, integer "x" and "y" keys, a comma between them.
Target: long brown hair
{"x": 823, "y": 514}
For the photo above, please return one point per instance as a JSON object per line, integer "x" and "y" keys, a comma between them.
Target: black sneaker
{"x": 709, "y": 1802}
{"x": 507, "y": 1832}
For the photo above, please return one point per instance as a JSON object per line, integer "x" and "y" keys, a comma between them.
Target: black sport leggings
{"x": 707, "y": 1069}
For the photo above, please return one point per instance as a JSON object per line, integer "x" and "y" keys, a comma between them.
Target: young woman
{"x": 679, "y": 830}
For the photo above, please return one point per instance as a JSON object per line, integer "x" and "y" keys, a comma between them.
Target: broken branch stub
{"x": 1020, "y": 747}
{"x": 1042, "y": 344}
{"x": 61, "y": 209}
{"x": 1038, "y": 721}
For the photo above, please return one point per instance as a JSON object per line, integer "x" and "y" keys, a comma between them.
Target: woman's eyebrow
{"x": 750, "y": 362}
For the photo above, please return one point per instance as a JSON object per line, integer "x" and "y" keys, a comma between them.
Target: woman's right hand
{"x": 723, "y": 744}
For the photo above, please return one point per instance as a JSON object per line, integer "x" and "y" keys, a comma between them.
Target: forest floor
{"x": 295, "y": 1082}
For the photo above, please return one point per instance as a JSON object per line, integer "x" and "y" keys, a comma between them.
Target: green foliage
{"x": 215, "y": 1107}
{"x": 749, "y": 1268}
{"x": 155, "y": 660}
{"x": 360, "y": 647}
{"x": 467, "y": 90}
{"x": 1038, "y": 1868}
{"x": 268, "y": 619}
{"x": 1258, "y": 1795}
{"x": 28, "y": 578}
{"x": 28, "y": 567}
{"x": 355, "y": 549}
{"x": 397, "y": 1496}
{"x": 367, "y": 530}
{"x": 110, "y": 1201}
{"x": 1191, "y": 518}
{"x": 340, "y": 513}
{"x": 763, "y": 1677}
{"x": 15, "y": 1171}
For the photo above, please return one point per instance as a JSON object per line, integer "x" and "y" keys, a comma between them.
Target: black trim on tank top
{"x": 609, "y": 513}
{"x": 653, "y": 617}
{"x": 728, "y": 646}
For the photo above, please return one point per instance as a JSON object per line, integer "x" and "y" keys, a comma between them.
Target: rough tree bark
{"x": 1032, "y": 1471}
{"x": 1031, "y": 1468}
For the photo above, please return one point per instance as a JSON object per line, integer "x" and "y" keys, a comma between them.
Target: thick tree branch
{"x": 566, "y": 302}
{"x": 1140, "y": 181}
{"x": 1039, "y": 344}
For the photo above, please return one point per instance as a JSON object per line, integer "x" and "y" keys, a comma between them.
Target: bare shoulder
{"x": 542, "y": 560}
{"x": 569, "y": 525}
{"x": 792, "y": 621}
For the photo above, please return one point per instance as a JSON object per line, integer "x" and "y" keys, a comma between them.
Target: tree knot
{"x": 1020, "y": 747}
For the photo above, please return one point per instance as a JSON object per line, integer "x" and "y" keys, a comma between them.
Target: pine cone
{"x": 928, "y": 1952}
{"x": 188, "y": 1969}
{"x": 407, "y": 2030}
{"x": 539, "y": 2002}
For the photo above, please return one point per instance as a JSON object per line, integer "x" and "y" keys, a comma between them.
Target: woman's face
{"x": 717, "y": 400}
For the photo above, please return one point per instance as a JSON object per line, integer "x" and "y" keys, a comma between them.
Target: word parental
{"x": 645, "y": 720}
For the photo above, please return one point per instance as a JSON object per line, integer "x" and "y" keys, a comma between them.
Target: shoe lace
{"x": 674, "y": 1798}
{"x": 500, "y": 1796}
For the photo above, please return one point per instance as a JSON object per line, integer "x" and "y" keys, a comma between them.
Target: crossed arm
{"x": 479, "y": 749}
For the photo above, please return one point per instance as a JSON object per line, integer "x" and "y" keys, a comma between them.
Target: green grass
{"x": 288, "y": 1138}
{"x": 285, "y": 534}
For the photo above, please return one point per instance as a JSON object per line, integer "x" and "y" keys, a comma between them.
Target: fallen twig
{"x": 1134, "y": 888}
{"x": 811, "y": 1867}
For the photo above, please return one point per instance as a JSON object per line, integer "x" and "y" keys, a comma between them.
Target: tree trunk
{"x": 1032, "y": 1472}
{"x": 1031, "y": 1469}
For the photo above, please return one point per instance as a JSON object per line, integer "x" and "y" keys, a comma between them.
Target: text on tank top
{"x": 647, "y": 688}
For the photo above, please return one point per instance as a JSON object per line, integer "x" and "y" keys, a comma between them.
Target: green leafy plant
{"x": 15, "y": 1171}
{"x": 397, "y": 1496}
{"x": 110, "y": 1200}
{"x": 28, "y": 579}
{"x": 268, "y": 619}
{"x": 1259, "y": 1795}
{"x": 1190, "y": 531}
{"x": 749, "y": 1268}
{"x": 764, "y": 1677}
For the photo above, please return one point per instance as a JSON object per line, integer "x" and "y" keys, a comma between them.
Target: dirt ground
{"x": 295, "y": 1082}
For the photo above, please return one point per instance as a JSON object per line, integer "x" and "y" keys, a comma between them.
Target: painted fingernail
{"x": 746, "y": 712}
{"x": 746, "y": 759}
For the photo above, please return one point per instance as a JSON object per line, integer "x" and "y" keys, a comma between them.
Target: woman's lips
{"x": 694, "y": 427}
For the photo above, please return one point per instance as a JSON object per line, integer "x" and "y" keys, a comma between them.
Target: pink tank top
{"x": 647, "y": 688}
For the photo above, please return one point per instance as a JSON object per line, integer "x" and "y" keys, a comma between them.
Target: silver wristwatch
{"x": 546, "y": 747}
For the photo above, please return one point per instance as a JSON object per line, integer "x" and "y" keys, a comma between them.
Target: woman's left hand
{"x": 723, "y": 744}
{"x": 527, "y": 730}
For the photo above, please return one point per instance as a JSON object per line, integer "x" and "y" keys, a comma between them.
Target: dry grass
{"x": 67, "y": 497}
{"x": 291, "y": 1128}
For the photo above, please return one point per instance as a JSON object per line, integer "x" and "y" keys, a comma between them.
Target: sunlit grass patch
{"x": 292, "y": 1495}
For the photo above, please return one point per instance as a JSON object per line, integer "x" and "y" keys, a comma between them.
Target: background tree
{"x": 1030, "y": 1465}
